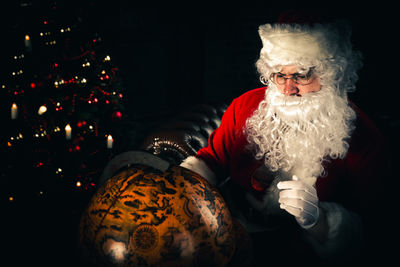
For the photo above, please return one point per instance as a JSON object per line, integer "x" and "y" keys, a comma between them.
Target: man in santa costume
{"x": 302, "y": 160}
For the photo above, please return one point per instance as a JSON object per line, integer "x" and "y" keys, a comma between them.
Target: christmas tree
{"x": 65, "y": 104}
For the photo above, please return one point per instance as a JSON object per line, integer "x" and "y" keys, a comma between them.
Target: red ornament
{"x": 81, "y": 123}
{"x": 116, "y": 115}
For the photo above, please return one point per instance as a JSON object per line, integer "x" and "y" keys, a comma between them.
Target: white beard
{"x": 295, "y": 134}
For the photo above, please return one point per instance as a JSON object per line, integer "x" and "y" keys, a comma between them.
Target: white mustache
{"x": 291, "y": 108}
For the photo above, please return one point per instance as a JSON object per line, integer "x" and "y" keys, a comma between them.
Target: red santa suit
{"x": 347, "y": 191}
{"x": 349, "y": 194}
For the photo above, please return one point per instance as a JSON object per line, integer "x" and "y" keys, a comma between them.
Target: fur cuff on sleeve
{"x": 200, "y": 167}
{"x": 344, "y": 236}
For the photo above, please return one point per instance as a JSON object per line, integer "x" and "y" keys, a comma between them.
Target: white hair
{"x": 294, "y": 133}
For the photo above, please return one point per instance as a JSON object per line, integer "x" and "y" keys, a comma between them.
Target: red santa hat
{"x": 307, "y": 39}
{"x": 298, "y": 38}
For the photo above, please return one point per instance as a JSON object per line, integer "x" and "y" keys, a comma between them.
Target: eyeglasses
{"x": 302, "y": 79}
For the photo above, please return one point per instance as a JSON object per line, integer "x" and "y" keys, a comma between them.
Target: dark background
{"x": 171, "y": 58}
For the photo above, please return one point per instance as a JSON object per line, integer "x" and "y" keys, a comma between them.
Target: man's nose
{"x": 290, "y": 87}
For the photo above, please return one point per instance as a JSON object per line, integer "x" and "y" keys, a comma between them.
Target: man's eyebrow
{"x": 294, "y": 74}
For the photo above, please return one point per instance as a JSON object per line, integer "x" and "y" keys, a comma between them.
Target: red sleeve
{"x": 228, "y": 140}
{"x": 217, "y": 154}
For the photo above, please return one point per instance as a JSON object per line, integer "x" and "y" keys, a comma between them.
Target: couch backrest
{"x": 185, "y": 134}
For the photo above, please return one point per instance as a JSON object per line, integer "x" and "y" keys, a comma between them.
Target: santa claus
{"x": 298, "y": 154}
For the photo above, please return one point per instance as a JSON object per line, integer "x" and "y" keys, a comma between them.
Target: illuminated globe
{"x": 143, "y": 217}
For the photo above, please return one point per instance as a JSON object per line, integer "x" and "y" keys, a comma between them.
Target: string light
{"x": 19, "y": 57}
{"x": 40, "y": 133}
{"x": 58, "y": 106}
{"x": 17, "y": 73}
{"x": 65, "y": 30}
{"x": 51, "y": 42}
{"x": 18, "y": 137}
{"x": 46, "y": 126}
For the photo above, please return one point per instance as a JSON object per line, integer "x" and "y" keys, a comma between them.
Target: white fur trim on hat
{"x": 286, "y": 44}
{"x": 200, "y": 167}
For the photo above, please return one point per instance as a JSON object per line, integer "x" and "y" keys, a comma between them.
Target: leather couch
{"x": 183, "y": 135}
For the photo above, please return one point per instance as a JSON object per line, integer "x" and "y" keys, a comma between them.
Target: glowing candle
{"x": 42, "y": 110}
{"x": 68, "y": 131}
{"x": 110, "y": 142}
{"x": 14, "y": 111}
{"x": 28, "y": 43}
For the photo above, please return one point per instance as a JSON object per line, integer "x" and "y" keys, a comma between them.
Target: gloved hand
{"x": 300, "y": 200}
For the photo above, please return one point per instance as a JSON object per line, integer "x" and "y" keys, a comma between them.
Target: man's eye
{"x": 301, "y": 76}
{"x": 280, "y": 75}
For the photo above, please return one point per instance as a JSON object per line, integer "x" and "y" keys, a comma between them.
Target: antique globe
{"x": 145, "y": 217}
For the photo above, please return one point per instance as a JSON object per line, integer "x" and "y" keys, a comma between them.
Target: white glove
{"x": 300, "y": 200}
